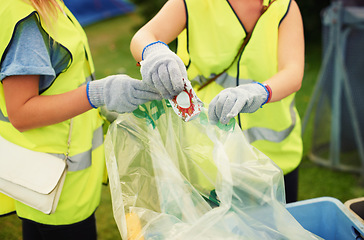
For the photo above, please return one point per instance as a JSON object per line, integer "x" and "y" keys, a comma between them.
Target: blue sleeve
{"x": 33, "y": 52}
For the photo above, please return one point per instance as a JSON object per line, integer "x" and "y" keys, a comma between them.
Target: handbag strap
{"x": 241, "y": 49}
{"x": 69, "y": 140}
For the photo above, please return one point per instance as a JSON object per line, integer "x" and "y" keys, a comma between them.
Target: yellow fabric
{"x": 81, "y": 192}
{"x": 7, "y": 204}
{"x": 211, "y": 41}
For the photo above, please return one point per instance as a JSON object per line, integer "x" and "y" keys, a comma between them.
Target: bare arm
{"x": 164, "y": 26}
{"x": 27, "y": 109}
{"x": 290, "y": 56}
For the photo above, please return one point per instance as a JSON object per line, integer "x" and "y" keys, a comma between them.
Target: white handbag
{"x": 33, "y": 178}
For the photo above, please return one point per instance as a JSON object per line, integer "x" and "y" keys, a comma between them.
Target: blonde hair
{"x": 47, "y": 9}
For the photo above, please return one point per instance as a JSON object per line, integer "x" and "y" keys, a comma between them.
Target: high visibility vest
{"x": 82, "y": 188}
{"x": 7, "y": 205}
{"x": 209, "y": 44}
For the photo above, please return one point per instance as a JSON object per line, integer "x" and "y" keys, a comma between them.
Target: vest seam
{"x": 241, "y": 23}
{"x": 187, "y": 36}
{"x": 285, "y": 14}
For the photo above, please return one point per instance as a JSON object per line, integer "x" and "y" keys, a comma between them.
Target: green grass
{"x": 109, "y": 41}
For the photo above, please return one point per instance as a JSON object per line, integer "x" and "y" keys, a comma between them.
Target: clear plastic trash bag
{"x": 171, "y": 179}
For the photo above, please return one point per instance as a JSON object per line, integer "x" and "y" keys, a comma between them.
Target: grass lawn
{"x": 109, "y": 41}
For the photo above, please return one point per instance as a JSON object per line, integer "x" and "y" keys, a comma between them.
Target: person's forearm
{"x": 284, "y": 83}
{"x": 291, "y": 56}
{"x": 165, "y": 26}
{"x": 42, "y": 110}
{"x": 139, "y": 41}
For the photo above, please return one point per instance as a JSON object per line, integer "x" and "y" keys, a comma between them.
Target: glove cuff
{"x": 153, "y": 47}
{"x": 95, "y": 93}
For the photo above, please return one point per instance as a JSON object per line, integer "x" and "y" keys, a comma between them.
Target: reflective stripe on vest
{"x": 90, "y": 78}
{"x": 83, "y": 160}
{"x": 255, "y": 133}
{"x": 259, "y": 133}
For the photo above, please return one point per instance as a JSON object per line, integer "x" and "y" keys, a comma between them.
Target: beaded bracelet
{"x": 268, "y": 90}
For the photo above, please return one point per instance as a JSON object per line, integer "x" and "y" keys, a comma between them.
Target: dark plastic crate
{"x": 356, "y": 206}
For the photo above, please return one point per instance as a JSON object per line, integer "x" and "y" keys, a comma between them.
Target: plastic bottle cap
{"x": 183, "y": 100}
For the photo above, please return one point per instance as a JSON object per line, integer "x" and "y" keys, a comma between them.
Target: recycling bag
{"x": 171, "y": 179}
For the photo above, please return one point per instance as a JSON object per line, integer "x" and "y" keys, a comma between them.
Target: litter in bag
{"x": 171, "y": 179}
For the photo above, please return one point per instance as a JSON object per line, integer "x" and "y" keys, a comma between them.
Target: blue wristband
{"x": 150, "y": 44}
{"x": 266, "y": 100}
{"x": 88, "y": 97}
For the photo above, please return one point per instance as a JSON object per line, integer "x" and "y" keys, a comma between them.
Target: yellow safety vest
{"x": 82, "y": 188}
{"x": 209, "y": 44}
{"x": 7, "y": 205}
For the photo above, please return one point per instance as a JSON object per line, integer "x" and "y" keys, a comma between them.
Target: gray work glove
{"x": 163, "y": 69}
{"x": 120, "y": 93}
{"x": 246, "y": 98}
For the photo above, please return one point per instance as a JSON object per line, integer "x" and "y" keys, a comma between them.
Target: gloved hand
{"x": 119, "y": 93}
{"x": 246, "y": 98}
{"x": 163, "y": 69}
